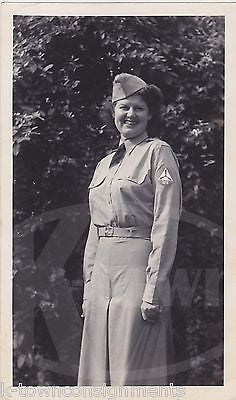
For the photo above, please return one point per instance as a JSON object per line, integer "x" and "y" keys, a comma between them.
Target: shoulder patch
{"x": 165, "y": 178}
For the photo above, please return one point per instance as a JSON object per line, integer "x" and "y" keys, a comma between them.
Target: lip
{"x": 130, "y": 123}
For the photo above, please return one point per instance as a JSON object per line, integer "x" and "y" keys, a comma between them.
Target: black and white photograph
{"x": 118, "y": 184}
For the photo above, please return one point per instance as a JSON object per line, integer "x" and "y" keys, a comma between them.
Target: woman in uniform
{"x": 135, "y": 205}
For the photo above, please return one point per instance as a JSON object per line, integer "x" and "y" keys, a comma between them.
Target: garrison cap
{"x": 126, "y": 85}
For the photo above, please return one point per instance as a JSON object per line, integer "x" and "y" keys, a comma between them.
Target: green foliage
{"x": 63, "y": 70}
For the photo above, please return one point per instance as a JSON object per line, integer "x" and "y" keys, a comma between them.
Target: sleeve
{"x": 89, "y": 257}
{"x": 90, "y": 251}
{"x": 166, "y": 215}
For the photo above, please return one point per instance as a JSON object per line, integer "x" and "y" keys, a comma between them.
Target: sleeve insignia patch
{"x": 165, "y": 177}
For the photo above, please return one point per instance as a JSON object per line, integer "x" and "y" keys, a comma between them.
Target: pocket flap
{"x": 138, "y": 178}
{"x": 96, "y": 181}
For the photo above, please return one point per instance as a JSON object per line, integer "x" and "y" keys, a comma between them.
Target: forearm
{"x": 166, "y": 215}
{"x": 161, "y": 258}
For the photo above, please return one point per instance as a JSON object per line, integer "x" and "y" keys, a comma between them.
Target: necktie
{"x": 119, "y": 154}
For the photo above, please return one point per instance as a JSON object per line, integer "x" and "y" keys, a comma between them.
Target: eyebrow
{"x": 122, "y": 102}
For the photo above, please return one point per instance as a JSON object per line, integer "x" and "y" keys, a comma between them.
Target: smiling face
{"x": 131, "y": 116}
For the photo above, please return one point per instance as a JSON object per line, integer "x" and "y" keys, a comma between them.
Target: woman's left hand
{"x": 150, "y": 312}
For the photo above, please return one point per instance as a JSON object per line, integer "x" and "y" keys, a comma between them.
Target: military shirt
{"x": 144, "y": 191}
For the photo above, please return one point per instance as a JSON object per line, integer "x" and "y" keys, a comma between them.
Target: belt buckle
{"x": 109, "y": 230}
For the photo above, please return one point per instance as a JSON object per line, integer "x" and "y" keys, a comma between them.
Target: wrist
{"x": 156, "y": 307}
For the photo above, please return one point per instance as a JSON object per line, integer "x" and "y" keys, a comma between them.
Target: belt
{"x": 111, "y": 231}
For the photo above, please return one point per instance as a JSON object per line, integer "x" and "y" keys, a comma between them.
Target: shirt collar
{"x": 130, "y": 144}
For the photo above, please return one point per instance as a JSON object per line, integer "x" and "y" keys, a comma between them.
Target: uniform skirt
{"x": 118, "y": 347}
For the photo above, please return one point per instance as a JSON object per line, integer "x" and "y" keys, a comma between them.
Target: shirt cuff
{"x": 158, "y": 293}
{"x": 149, "y": 294}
